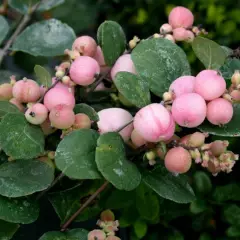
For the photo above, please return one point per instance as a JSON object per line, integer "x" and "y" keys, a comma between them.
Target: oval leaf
{"x": 209, "y": 53}
{"x": 16, "y": 183}
{"x": 7, "y": 107}
{"x": 232, "y": 129}
{"x": 19, "y": 210}
{"x": 86, "y": 109}
{"x": 113, "y": 164}
{"x": 19, "y": 139}
{"x": 4, "y": 28}
{"x": 133, "y": 88}
{"x": 23, "y": 6}
{"x": 159, "y": 61}
{"x": 112, "y": 40}
{"x": 74, "y": 234}
{"x": 43, "y": 76}
{"x": 168, "y": 186}
{"x": 7, "y": 230}
{"x": 46, "y": 38}
{"x": 75, "y": 155}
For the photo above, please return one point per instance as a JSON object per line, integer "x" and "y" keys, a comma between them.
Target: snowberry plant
{"x": 119, "y": 119}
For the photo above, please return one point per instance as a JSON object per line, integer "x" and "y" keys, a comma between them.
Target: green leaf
{"x": 74, "y": 234}
{"x": 209, "y": 53}
{"x": 205, "y": 236}
{"x": 232, "y": 129}
{"x": 133, "y": 88}
{"x": 232, "y": 214}
{"x": 7, "y": 107}
{"x": 46, "y": 38}
{"x": 23, "y": 6}
{"x": 160, "y": 62}
{"x": 112, "y": 40}
{"x": 43, "y": 76}
{"x": 230, "y": 66}
{"x": 227, "y": 192}
{"x": 202, "y": 182}
{"x": 20, "y": 210}
{"x": 84, "y": 108}
{"x": 165, "y": 184}
{"x": 4, "y": 28}
{"x": 233, "y": 231}
{"x": 140, "y": 228}
{"x": 19, "y": 139}
{"x": 112, "y": 162}
{"x": 22, "y": 178}
{"x": 198, "y": 206}
{"x": 75, "y": 155}
{"x": 7, "y": 230}
{"x": 228, "y": 51}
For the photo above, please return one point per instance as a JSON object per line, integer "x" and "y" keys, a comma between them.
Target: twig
{"x": 71, "y": 219}
{"x": 121, "y": 128}
{"x": 26, "y": 18}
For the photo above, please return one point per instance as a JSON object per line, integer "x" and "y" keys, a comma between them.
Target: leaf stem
{"x": 71, "y": 219}
{"x": 26, "y": 18}
{"x": 121, "y": 128}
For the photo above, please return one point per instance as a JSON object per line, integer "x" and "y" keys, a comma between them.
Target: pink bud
{"x": 219, "y": 111}
{"x": 6, "y": 91}
{"x": 36, "y": 114}
{"x": 209, "y": 84}
{"x": 86, "y": 45}
{"x": 189, "y": 110}
{"x": 83, "y": 70}
{"x": 154, "y": 123}
{"x": 137, "y": 139}
{"x": 165, "y": 28}
{"x": 56, "y": 96}
{"x": 182, "y": 85}
{"x": 111, "y": 119}
{"x": 63, "y": 86}
{"x": 101, "y": 61}
{"x": 180, "y": 34}
{"x": 123, "y": 64}
{"x": 180, "y": 17}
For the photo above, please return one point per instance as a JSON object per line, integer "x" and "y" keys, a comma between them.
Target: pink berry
{"x": 219, "y": 111}
{"x": 82, "y": 121}
{"x": 137, "y": 139}
{"x": 86, "y": 45}
{"x": 123, "y": 64}
{"x": 56, "y": 96}
{"x": 112, "y": 238}
{"x": 180, "y": 17}
{"x": 96, "y": 234}
{"x": 47, "y": 128}
{"x": 26, "y": 91}
{"x": 152, "y": 123}
{"x": 209, "y": 84}
{"x": 63, "y": 86}
{"x": 189, "y": 36}
{"x": 111, "y": 119}
{"x": 178, "y": 160}
{"x": 83, "y": 70}
{"x": 218, "y": 147}
{"x": 180, "y": 34}
{"x": 165, "y": 28}
{"x": 19, "y": 105}
{"x": 189, "y": 110}
{"x": 101, "y": 61}
{"x": 6, "y": 91}
{"x": 182, "y": 85}
{"x": 235, "y": 94}
{"x": 36, "y": 114}
{"x": 62, "y": 117}
{"x": 197, "y": 139}
{"x": 170, "y": 38}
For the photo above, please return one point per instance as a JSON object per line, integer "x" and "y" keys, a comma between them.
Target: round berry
{"x": 82, "y": 121}
{"x": 96, "y": 234}
{"x": 36, "y": 114}
{"x": 165, "y": 28}
{"x": 86, "y": 45}
{"x": 218, "y": 147}
{"x": 170, "y": 38}
{"x": 137, "y": 139}
{"x": 197, "y": 139}
{"x": 6, "y": 91}
{"x": 180, "y": 34}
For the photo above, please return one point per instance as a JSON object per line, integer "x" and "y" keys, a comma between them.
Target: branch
{"x": 121, "y": 128}
{"x": 71, "y": 219}
{"x": 26, "y": 18}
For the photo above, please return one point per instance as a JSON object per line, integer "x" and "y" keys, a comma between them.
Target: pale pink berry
{"x": 112, "y": 119}
{"x": 36, "y": 114}
{"x": 62, "y": 117}
{"x": 168, "y": 134}
{"x": 86, "y": 45}
{"x": 152, "y": 123}
{"x": 101, "y": 61}
{"x": 165, "y": 28}
{"x": 218, "y": 147}
{"x": 63, "y": 86}
{"x": 189, "y": 36}
{"x": 6, "y": 91}
{"x": 189, "y": 110}
{"x": 219, "y": 111}
{"x": 19, "y": 105}
{"x": 180, "y": 34}
{"x": 83, "y": 70}
{"x": 112, "y": 238}
{"x": 209, "y": 84}
{"x": 180, "y": 17}
{"x": 178, "y": 160}
{"x": 47, "y": 128}
{"x": 137, "y": 139}
{"x": 182, "y": 85}
{"x": 197, "y": 139}
{"x": 170, "y": 38}
{"x": 235, "y": 94}
{"x": 96, "y": 234}
{"x": 26, "y": 90}
{"x": 82, "y": 121}
{"x": 236, "y": 78}
{"x": 56, "y": 96}
{"x": 123, "y": 64}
